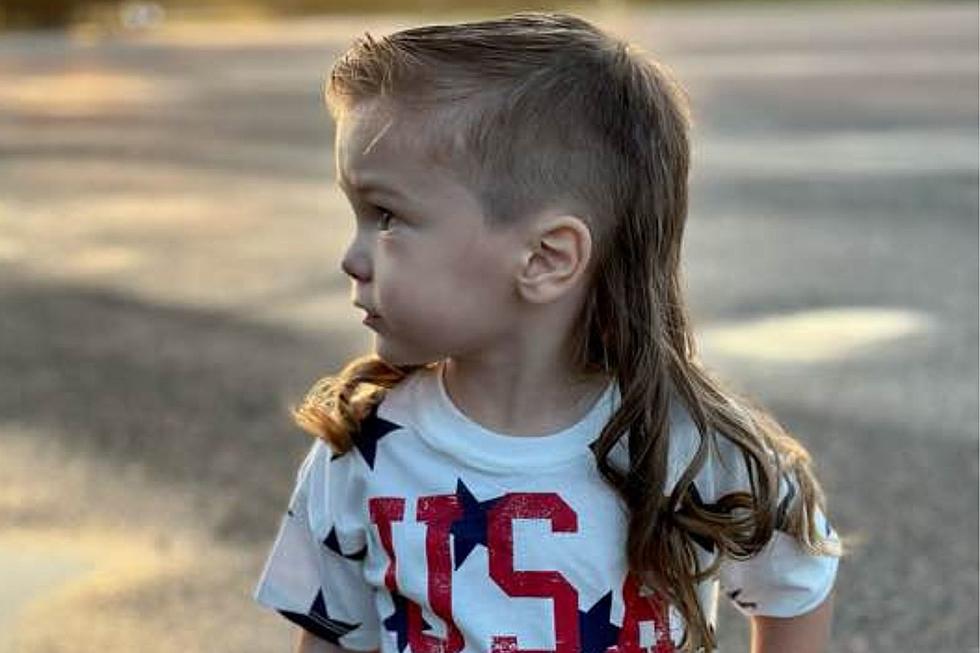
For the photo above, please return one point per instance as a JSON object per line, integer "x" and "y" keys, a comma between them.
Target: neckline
{"x": 450, "y": 430}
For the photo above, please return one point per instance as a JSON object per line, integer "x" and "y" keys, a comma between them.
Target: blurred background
{"x": 170, "y": 285}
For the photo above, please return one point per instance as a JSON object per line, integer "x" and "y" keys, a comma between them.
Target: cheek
{"x": 479, "y": 289}
{"x": 404, "y": 278}
{"x": 439, "y": 288}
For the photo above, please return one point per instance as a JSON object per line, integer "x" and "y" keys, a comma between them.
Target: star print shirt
{"x": 437, "y": 534}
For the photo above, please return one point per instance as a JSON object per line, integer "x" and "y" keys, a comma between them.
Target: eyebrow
{"x": 369, "y": 188}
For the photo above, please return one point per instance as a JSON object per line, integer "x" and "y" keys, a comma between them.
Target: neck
{"x": 525, "y": 399}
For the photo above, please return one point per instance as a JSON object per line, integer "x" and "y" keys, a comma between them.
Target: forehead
{"x": 390, "y": 154}
{"x": 377, "y": 146}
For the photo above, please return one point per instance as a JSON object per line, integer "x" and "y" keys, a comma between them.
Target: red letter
{"x": 385, "y": 510}
{"x": 643, "y": 608}
{"x": 438, "y": 512}
{"x": 551, "y": 584}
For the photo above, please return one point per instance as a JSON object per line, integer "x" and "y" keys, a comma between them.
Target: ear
{"x": 557, "y": 255}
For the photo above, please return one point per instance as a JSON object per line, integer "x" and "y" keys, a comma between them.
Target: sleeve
{"x": 782, "y": 580}
{"x": 308, "y": 577}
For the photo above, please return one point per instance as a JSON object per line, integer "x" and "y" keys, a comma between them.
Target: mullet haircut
{"x": 544, "y": 110}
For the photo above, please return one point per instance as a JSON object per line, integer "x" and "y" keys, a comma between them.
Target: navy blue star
{"x": 397, "y": 622}
{"x": 373, "y": 428}
{"x": 318, "y": 621}
{"x": 332, "y": 543}
{"x": 595, "y": 633}
{"x": 470, "y": 528}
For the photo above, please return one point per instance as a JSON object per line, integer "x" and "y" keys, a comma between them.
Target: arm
{"x": 806, "y": 633}
{"x": 306, "y": 642}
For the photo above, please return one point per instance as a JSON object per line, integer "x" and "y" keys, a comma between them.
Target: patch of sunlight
{"x": 10, "y": 249}
{"x": 106, "y": 559}
{"x": 98, "y": 260}
{"x": 257, "y": 30}
{"x": 140, "y": 212}
{"x": 28, "y": 575}
{"x": 81, "y": 92}
{"x": 798, "y": 64}
{"x": 844, "y": 152}
{"x": 812, "y": 336}
{"x": 72, "y": 573}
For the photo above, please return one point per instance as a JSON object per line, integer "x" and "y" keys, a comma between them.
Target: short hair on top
{"x": 544, "y": 110}
{"x": 530, "y": 111}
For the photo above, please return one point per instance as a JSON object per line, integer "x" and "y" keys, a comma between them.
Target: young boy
{"x": 537, "y": 474}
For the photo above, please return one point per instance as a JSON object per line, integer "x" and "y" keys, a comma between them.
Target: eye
{"x": 384, "y": 218}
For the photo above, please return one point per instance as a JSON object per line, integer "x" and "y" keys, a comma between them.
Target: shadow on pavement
{"x": 199, "y": 399}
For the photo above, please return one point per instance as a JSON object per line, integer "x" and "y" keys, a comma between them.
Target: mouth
{"x": 368, "y": 311}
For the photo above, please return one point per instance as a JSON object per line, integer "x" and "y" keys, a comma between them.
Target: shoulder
{"x": 727, "y": 466}
{"x": 683, "y": 441}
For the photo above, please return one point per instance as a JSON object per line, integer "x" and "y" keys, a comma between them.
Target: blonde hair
{"x": 544, "y": 108}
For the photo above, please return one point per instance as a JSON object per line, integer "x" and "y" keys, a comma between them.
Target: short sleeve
{"x": 782, "y": 580}
{"x": 313, "y": 575}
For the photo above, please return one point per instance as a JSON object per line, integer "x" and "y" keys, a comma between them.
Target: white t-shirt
{"x": 437, "y": 534}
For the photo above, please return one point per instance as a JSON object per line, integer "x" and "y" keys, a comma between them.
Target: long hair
{"x": 538, "y": 109}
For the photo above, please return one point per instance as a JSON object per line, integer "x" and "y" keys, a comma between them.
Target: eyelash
{"x": 384, "y": 212}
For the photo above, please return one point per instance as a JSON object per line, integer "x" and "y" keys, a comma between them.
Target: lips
{"x": 367, "y": 310}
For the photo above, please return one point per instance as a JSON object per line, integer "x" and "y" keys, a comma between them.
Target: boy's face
{"x": 422, "y": 260}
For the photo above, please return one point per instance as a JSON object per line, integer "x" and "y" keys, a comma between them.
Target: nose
{"x": 356, "y": 262}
